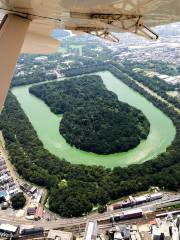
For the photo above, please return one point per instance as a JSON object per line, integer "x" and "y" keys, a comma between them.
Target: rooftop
{"x": 56, "y": 234}
{"x": 8, "y": 228}
{"x": 91, "y": 229}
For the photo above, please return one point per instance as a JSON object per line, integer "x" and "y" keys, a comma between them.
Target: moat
{"x": 46, "y": 123}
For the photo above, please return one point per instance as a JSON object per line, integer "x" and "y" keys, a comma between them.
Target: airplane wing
{"x": 26, "y": 25}
{"x": 98, "y": 17}
{"x": 136, "y": 16}
{"x": 42, "y": 22}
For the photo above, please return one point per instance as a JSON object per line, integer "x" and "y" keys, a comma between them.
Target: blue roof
{"x": 3, "y": 194}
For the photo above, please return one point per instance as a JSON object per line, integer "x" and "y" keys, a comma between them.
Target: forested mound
{"x": 86, "y": 186}
{"x": 94, "y": 119}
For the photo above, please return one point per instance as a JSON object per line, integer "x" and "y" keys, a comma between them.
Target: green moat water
{"x": 46, "y": 124}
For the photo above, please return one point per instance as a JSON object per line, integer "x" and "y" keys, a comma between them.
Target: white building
{"x": 91, "y": 230}
{"x": 59, "y": 235}
{"x": 8, "y": 228}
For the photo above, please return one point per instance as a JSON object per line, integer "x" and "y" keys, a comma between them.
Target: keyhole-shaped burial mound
{"x": 94, "y": 120}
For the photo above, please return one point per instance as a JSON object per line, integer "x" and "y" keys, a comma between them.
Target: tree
{"x": 18, "y": 201}
{"x": 102, "y": 208}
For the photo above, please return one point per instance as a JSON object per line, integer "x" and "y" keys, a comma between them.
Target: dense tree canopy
{"x": 18, "y": 201}
{"x": 94, "y": 119}
{"x": 154, "y": 83}
{"x": 89, "y": 185}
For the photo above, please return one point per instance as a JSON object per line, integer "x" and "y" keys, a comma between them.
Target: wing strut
{"x": 12, "y": 33}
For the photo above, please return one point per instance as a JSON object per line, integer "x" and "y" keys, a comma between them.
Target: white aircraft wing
{"x": 99, "y": 17}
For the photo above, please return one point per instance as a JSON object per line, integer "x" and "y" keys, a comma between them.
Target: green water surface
{"x": 46, "y": 123}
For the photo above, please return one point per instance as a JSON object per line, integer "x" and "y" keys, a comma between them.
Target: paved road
{"x": 76, "y": 221}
